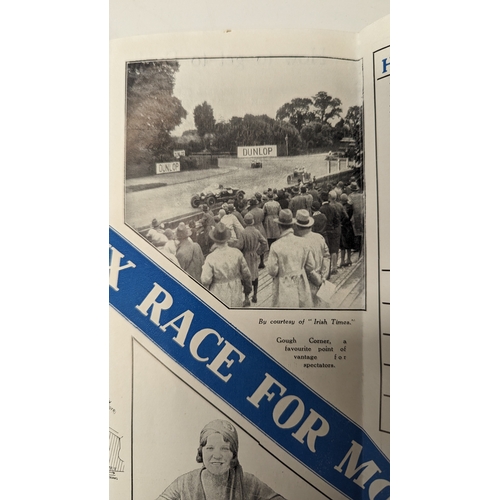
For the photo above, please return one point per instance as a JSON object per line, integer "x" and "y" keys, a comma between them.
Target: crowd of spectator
{"x": 301, "y": 234}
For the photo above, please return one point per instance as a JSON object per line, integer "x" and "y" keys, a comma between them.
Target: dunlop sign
{"x": 166, "y": 168}
{"x": 179, "y": 152}
{"x": 256, "y": 151}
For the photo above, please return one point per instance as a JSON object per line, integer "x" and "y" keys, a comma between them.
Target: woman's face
{"x": 217, "y": 454}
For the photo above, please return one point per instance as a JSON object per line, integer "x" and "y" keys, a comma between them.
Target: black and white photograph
{"x": 247, "y": 173}
{"x": 221, "y": 475}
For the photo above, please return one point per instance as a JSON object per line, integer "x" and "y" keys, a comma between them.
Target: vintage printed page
{"x": 249, "y": 266}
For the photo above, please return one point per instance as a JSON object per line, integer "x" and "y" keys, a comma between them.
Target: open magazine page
{"x": 244, "y": 268}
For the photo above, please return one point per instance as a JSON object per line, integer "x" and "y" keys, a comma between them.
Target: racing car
{"x": 256, "y": 164}
{"x": 299, "y": 174}
{"x": 334, "y": 155}
{"x": 216, "y": 194}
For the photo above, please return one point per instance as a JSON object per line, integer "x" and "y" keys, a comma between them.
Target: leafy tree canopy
{"x": 326, "y": 107}
{"x": 301, "y": 112}
{"x": 254, "y": 130}
{"x": 297, "y": 112}
{"x": 204, "y": 119}
{"x": 152, "y": 110}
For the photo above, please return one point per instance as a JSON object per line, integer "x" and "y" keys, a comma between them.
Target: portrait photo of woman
{"x": 178, "y": 455}
{"x": 221, "y": 476}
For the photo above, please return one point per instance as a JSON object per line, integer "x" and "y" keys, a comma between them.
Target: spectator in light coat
{"x": 233, "y": 224}
{"x": 225, "y": 270}
{"x": 231, "y": 209}
{"x": 289, "y": 263}
{"x": 155, "y": 234}
{"x": 271, "y": 211}
{"x": 170, "y": 248}
{"x": 319, "y": 251}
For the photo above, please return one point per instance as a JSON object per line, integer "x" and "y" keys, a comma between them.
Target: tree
{"x": 190, "y": 141}
{"x": 340, "y": 130}
{"x": 282, "y": 130}
{"x": 353, "y": 120}
{"x": 152, "y": 113}
{"x": 297, "y": 112}
{"x": 204, "y": 120}
{"x": 317, "y": 135}
{"x": 326, "y": 107}
{"x": 254, "y": 130}
{"x": 354, "y": 123}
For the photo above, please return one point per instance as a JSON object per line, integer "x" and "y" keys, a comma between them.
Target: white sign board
{"x": 179, "y": 152}
{"x": 257, "y": 151}
{"x": 166, "y": 168}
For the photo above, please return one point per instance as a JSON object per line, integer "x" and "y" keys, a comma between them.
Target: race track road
{"x": 174, "y": 199}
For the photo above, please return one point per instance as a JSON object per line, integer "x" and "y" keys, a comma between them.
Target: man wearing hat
{"x": 352, "y": 182}
{"x": 225, "y": 269}
{"x": 188, "y": 253}
{"x": 282, "y": 199}
{"x": 231, "y": 209}
{"x": 290, "y": 262}
{"x": 309, "y": 199}
{"x": 300, "y": 202}
{"x": 319, "y": 220}
{"x": 207, "y": 222}
{"x": 311, "y": 189}
{"x": 253, "y": 245}
{"x": 319, "y": 250}
{"x": 207, "y": 219}
{"x": 155, "y": 234}
{"x": 258, "y": 197}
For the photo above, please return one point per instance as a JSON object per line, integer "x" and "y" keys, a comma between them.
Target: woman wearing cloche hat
{"x": 225, "y": 269}
{"x": 221, "y": 475}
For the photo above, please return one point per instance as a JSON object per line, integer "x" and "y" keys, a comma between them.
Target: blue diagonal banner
{"x": 222, "y": 358}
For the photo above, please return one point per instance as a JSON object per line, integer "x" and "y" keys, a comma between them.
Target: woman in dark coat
{"x": 258, "y": 217}
{"x": 319, "y": 220}
{"x": 253, "y": 245}
{"x": 347, "y": 240}
{"x": 282, "y": 199}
